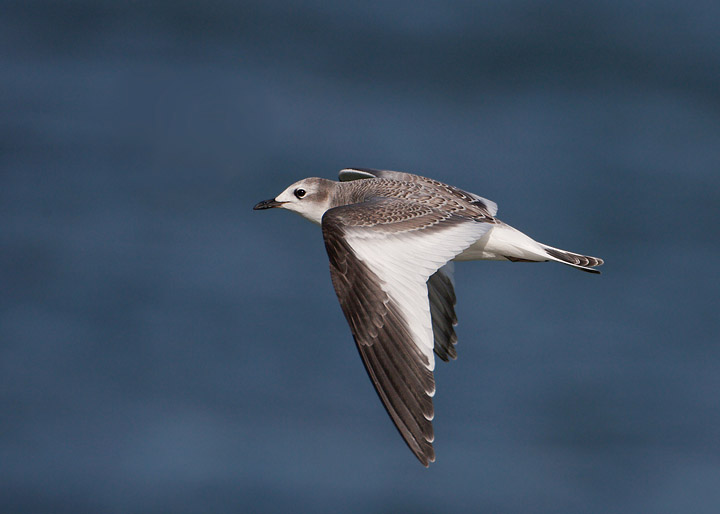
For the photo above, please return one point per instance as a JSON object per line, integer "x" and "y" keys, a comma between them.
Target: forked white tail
{"x": 504, "y": 242}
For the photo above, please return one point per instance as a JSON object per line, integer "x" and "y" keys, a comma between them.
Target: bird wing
{"x": 382, "y": 253}
{"x": 490, "y": 207}
{"x": 441, "y": 293}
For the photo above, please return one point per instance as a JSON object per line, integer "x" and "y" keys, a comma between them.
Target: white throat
{"x": 311, "y": 211}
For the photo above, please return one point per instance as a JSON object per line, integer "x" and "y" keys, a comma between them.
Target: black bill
{"x": 267, "y": 204}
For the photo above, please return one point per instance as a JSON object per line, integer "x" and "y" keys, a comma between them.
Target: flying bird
{"x": 391, "y": 239}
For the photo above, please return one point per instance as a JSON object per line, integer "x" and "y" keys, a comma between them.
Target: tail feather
{"x": 581, "y": 262}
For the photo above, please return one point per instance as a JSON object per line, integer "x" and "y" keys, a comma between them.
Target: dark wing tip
{"x": 427, "y": 458}
{"x": 441, "y": 294}
{"x": 347, "y": 174}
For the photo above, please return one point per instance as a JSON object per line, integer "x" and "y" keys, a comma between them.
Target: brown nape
{"x": 323, "y": 189}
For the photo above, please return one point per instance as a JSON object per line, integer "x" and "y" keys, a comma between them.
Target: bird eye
{"x": 300, "y": 192}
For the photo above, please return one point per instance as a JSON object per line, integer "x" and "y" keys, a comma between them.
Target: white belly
{"x": 501, "y": 242}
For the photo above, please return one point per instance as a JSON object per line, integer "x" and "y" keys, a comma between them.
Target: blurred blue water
{"x": 165, "y": 349}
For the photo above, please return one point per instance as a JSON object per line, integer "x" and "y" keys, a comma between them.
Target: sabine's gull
{"x": 391, "y": 238}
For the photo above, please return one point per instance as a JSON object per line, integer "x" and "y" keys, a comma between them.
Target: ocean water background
{"x": 163, "y": 348}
